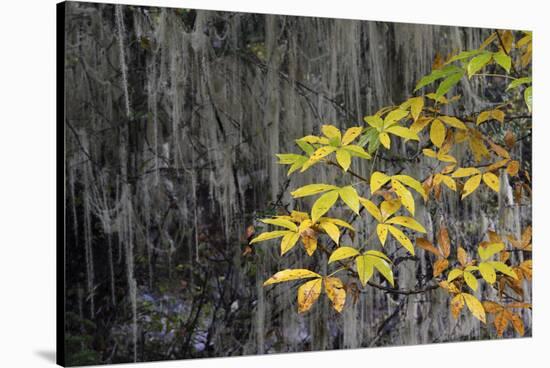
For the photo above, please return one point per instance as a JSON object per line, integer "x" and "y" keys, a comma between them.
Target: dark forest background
{"x": 172, "y": 121}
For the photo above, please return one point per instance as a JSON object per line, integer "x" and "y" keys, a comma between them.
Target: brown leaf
{"x": 501, "y": 322}
{"x": 513, "y": 168}
{"x": 444, "y": 242}
{"x": 462, "y": 256}
{"x": 491, "y": 307}
{"x": 439, "y": 266}
{"x": 518, "y": 324}
{"x": 308, "y": 293}
{"x": 457, "y": 303}
{"x": 426, "y": 245}
{"x": 510, "y": 139}
{"x": 335, "y": 292}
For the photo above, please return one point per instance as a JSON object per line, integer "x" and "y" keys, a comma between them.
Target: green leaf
{"x": 435, "y": 75}
{"x": 478, "y": 62}
{"x": 447, "y": 84}
{"x": 342, "y": 253}
{"x": 375, "y": 122}
{"x": 518, "y": 82}
{"x": 287, "y": 158}
{"x": 464, "y": 55}
{"x": 503, "y": 60}
{"x": 323, "y": 204}
{"x": 312, "y": 189}
{"x": 305, "y": 146}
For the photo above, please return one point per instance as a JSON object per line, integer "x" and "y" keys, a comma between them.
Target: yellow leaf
{"x": 503, "y": 268}
{"x": 308, "y": 293}
{"x": 281, "y": 222}
{"x": 388, "y": 208}
{"x": 288, "y": 242}
{"x": 429, "y": 153}
{"x": 365, "y": 268}
{"x": 407, "y": 222}
{"x": 449, "y": 182}
{"x": 402, "y": 132}
{"x": 336, "y": 222}
{"x": 342, "y": 253}
{"x": 382, "y": 232}
{"x": 377, "y": 181}
{"x": 344, "y": 159}
{"x": 462, "y": 256}
{"x": 474, "y": 306}
{"x": 406, "y": 197}
{"x": 332, "y": 231}
{"x": 330, "y": 131}
{"x": 312, "y": 189}
{"x": 323, "y": 204}
{"x": 439, "y": 266}
{"x": 487, "y": 272}
{"x": 487, "y": 250}
{"x": 382, "y": 266}
{"x": 402, "y": 238}
{"x": 394, "y": 116}
{"x": 437, "y": 133}
{"x": 470, "y": 279}
{"x": 417, "y": 103}
{"x": 290, "y": 275}
{"x": 375, "y": 122}
{"x": 350, "y": 197}
{"x": 454, "y": 274}
{"x": 310, "y": 241}
{"x": 270, "y": 235}
{"x": 317, "y": 155}
{"x": 350, "y": 135}
{"x": 335, "y": 292}
{"x": 357, "y": 151}
{"x": 492, "y": 181}
{"x": 454, "y": 122}
{"x": 413, "y": 183}
{"x": 471, "y": 185}
{"x": 465, "y": 171}
{"x": 385, "y": 139}
{"x": 420, "y": 124}
{"x": 371, "y": 208}
{"x": 457, "y": 303}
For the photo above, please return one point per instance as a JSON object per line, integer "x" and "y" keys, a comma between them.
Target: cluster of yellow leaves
{"x": 317, "y": 148}
{"x": 398, "y": 182}
{"x": 298, "y": 226}
{"x": 309, "y": 292}
{"x": 390, "y": 125}
{"x": 490, "y": 179}
{"x": 504, "y": 315}
{"x": 365, "y": 263}
{"x": 386, "y": 223}
{"x": 347, "y": 194}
